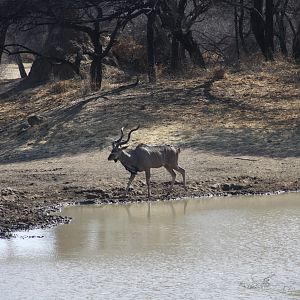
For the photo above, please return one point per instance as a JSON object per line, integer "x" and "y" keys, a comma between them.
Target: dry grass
{"x": 253, "y": 111}
{"x": 130, "y": 52}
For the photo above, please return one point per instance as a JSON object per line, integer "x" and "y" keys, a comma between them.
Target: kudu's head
{"x": 118, "y": 145}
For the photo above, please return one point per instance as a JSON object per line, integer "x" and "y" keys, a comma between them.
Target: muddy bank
{"x": 30, "y": 191}
{"x": 19, "y": 211}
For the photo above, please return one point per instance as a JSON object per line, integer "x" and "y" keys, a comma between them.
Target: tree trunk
{"x": 59, "y": 44}
{"x": 258, "y": 25}
{"x": 263, "y": 30}
{"x": 96, "y": 65}
{"x": 18, "y": 59}
{"x": 281, "y": 28}
{"x": 174, "y": 55}
{"x": 269, "y": 33}
{"x": 96, "y": 73}
{"x": 3, "y": 30}
{"x": 296, "y": 45}
{"x": 281, "y": 34}
{"x": 182, "y": 56}
{"x": 21, "y": 67}
{"x": 162, "y": 43}
{"x": 191, "y": 47}
{"x": 241, "y": 28}
{"x": 236, "y": 26}
{"x": 150, "y": 48}
{"x": 172, "y": 18}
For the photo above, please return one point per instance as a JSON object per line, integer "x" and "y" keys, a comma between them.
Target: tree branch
{"x": 51, "y": 59}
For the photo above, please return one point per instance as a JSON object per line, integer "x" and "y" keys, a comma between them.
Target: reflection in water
{"x": 116, "y": 229}
{"x": 213, "y": 248}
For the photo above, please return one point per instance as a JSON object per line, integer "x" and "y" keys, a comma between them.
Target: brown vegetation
{"x": 239, "y": 134}
{"x": 259, "y": 106}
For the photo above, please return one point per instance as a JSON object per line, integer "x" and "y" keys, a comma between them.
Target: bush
{"x": 130, "y": 54}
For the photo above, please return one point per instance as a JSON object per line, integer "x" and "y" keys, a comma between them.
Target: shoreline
{"x": 56, "y": 220}
{"x": 31, "y": 190}
{"x": 43, "y": 216}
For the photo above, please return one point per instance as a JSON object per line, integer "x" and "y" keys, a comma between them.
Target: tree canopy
{"x": 61, "y": 33}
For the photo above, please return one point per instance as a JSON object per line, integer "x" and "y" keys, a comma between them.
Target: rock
{"x": 236, "y": 187}
{"x": 34, "y": 120}
{"x": 91, "y": 196}
{"x": 215, "y": 186}
{"x": 232, "y": 186}
{"x": 225, "y": 187}
{"x": 86, "y": 202}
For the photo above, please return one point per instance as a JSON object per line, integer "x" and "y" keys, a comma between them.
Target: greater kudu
{"x": 145, "y": 157}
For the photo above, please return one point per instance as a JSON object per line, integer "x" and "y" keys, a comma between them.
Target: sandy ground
{"x": 238, "y": 135}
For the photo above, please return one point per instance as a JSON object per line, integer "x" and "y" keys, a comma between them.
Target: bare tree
{"x": 151, "y": 16}
{"x": 10, "y": 11}
{"x": 178, "y": 17}
{"x": 3, "y": 30}
{"x": 97, "y": 19}
{"x": 241, "y": 21}
{"x": 280, "y": 11}
{"x": 236, "y": 26}
{"x": 296, "y": 45}
{"x": 269, "y": 27}
{"x": 263, "y": 29}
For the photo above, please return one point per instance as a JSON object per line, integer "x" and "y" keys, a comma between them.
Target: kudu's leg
{"x": 182, "y": 172}
{"x": 147, "y": 172}
{"x": 132, "y": 176}
{"x": 173, "y": 174}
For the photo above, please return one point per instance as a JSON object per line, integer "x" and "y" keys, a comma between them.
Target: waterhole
{"x": 212, "y": 248}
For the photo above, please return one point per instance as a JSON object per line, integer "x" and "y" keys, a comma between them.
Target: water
{"x": 215, "y": 248}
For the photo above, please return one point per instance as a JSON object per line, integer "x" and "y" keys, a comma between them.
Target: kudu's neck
{"x": 126, "y": 157}
{"x": 128, "y": 161}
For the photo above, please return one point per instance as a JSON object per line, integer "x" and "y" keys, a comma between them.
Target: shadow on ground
{"x": 190, "y": 115}
{"x": 249, "y": 142}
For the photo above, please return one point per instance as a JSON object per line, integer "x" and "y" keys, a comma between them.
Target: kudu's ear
{"x": 124, "y": 147}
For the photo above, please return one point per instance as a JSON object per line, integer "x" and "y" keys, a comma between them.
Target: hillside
{"x": 239, "y": 134}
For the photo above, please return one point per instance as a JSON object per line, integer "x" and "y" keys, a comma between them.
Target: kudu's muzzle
{"x": 111, "y": 157}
